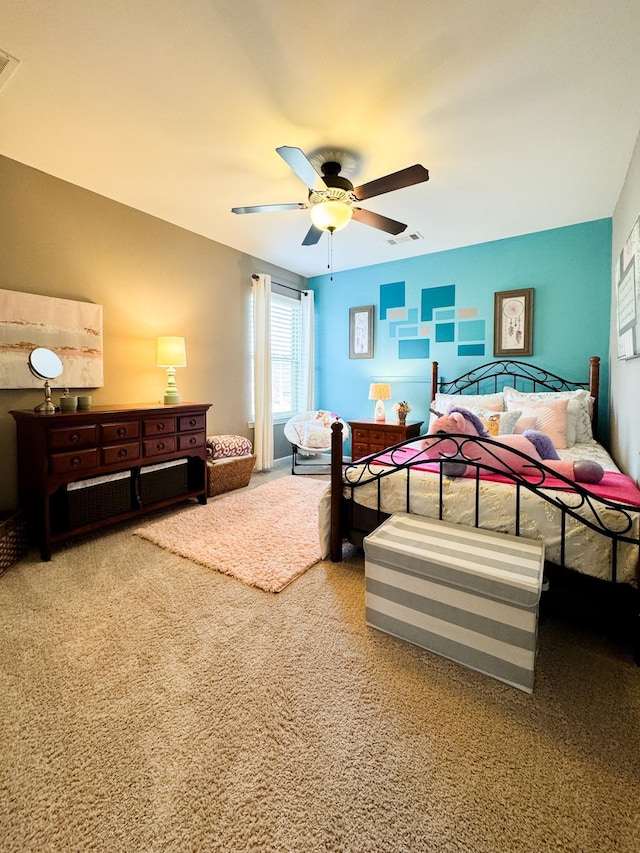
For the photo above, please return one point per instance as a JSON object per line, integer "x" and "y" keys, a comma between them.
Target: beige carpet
{"x": 266, "y": 536}
{"x": 150, "y": 704}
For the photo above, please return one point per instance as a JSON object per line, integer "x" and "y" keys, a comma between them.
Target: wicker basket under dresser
{"x": 79, "y": 471}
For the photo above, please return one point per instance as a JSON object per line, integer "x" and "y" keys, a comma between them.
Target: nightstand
{"x": 371, "y": 436}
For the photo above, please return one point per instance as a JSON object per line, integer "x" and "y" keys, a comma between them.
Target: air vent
{"x": 8, "y": 65}
{"x": 405, "y": 238}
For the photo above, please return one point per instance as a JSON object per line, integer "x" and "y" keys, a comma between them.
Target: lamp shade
{"x": 171, "y": 352}
{"x": 331, "y": 215}
{"x": 379, "y": 391}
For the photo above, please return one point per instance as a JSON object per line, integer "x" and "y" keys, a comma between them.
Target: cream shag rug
{"x": 266, "y": 537}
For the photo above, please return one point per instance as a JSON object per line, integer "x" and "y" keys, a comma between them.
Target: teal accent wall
{"x": 569, "y": 269}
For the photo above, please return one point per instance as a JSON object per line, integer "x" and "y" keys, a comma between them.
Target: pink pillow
{"x": 550, "y": 417}
{"x": 523, "y": 424}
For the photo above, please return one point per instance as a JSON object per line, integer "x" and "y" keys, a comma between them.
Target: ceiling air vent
{"x": 405, "y": 238}
{"x": 8, "y": 64}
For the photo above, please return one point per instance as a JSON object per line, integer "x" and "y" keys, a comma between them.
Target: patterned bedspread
{"x": 586, "y": 550}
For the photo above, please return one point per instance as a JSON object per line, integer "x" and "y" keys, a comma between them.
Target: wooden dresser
{"x": 371, "y": 436}
{"x": 79, "y": 471}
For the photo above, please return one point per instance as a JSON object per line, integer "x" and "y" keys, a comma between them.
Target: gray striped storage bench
{"x": 470, "y": 595}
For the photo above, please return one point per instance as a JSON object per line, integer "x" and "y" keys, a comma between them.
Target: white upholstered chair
{"x": 309, "y": 434}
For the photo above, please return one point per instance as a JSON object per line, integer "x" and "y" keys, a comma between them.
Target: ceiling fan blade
{"x": 297, "y": 161}
{"x": 269, "y": 208}
{"x": 313, "y": 235}
{"x": 383, "y": 223}
{"x": 396, "y": 181}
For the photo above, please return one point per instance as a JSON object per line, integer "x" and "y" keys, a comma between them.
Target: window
{"x": 286, "y": 355}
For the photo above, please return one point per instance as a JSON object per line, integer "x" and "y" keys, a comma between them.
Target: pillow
{"x": 497, "y": 423}
{"x": 226, "y": 446}
{"x": 579, "y": 410}
{"x": 316, "y": 436}
{"x": 443, "y": 402}
{"x": 550, "y": 415}
{"x": 523, "y": 424}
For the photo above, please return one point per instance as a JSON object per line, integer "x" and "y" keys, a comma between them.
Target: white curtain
{"x": 263, "y": 435}
{"x": 308, "y": 364}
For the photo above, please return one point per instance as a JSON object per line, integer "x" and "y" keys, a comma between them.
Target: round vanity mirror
{"x": 45, "y": 364}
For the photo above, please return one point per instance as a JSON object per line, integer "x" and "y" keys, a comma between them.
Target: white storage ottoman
{"x": 470, "y": 595}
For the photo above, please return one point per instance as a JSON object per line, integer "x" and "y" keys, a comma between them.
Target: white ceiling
{"x": 525, "y": 113}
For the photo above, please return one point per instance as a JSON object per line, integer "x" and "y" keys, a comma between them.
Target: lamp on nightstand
{"x": 379, "y": 391}
{"x": 171, "y": 353}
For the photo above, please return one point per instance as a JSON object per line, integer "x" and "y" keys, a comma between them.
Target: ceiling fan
{"x": 332, "y": 196}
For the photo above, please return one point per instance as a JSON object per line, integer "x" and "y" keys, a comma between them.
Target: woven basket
{"x": 164, "y": 481}
{"x": 13, "y": 538}
{"x": 98, "y": 498}
{"x": 225, "y": 475}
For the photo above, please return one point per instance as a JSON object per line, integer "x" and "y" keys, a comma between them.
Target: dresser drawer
{"x": 159, "y": 446}
{"x": 126, "y": 452}
{"x": 159, "y": 426}
{"x": 359, "y": 450}
{"x": 361, "y": 435}
{"x": 120, "y": 431}
{"x": 81, "y": 460}
{"x": 78, "y": 436}
{"x": 186, "y": 423}
{"x": 189, "y": 442}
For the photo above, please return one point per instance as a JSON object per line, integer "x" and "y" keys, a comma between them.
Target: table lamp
{"x": 171, "y": 353}
{"x": 379, "y": 391}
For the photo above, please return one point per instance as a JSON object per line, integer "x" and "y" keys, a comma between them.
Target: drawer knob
{"x": 192, "y": 422}
{"x": 160, "y": 445}
{"x": 74, "y": 437}
{"x": 159, "y": 427}
{"x": 121, "y": 431}
{"x": 123, "y": 453}
{"x": 192, "y": 440}
{"x": 75, "y": 462}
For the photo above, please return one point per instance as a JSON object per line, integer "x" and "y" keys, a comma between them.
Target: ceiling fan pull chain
{"x": 330, "y": 259}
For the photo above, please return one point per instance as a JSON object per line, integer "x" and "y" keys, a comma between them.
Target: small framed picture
{"x": 361, "y": 332}
{"x": 513, "y": 322}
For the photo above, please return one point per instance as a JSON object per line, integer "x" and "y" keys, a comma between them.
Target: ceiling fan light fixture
{"x": 331, "y": 215}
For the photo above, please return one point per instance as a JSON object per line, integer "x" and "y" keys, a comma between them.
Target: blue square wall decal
{"x": 445, "y": 333}
{"x": 471, "y": 330}
{"x": 391, "y": 296}
{"x": 436, "y": 297}
{"x": 471, "y": 349}
{"x": 414, "y": 349}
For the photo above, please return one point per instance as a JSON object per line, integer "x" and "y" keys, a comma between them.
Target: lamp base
{"x": 171, "y": 394}
{"x": 380, "y": 414}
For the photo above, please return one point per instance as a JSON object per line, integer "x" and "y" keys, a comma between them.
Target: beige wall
{"x": 625, "y": 375}
{"x": 151, "y": 278}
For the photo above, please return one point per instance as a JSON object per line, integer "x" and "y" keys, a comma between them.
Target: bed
{"x": 592, "y": 530}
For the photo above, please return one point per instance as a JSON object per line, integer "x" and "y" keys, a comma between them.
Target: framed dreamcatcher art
{"x": 513, "y": 322}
